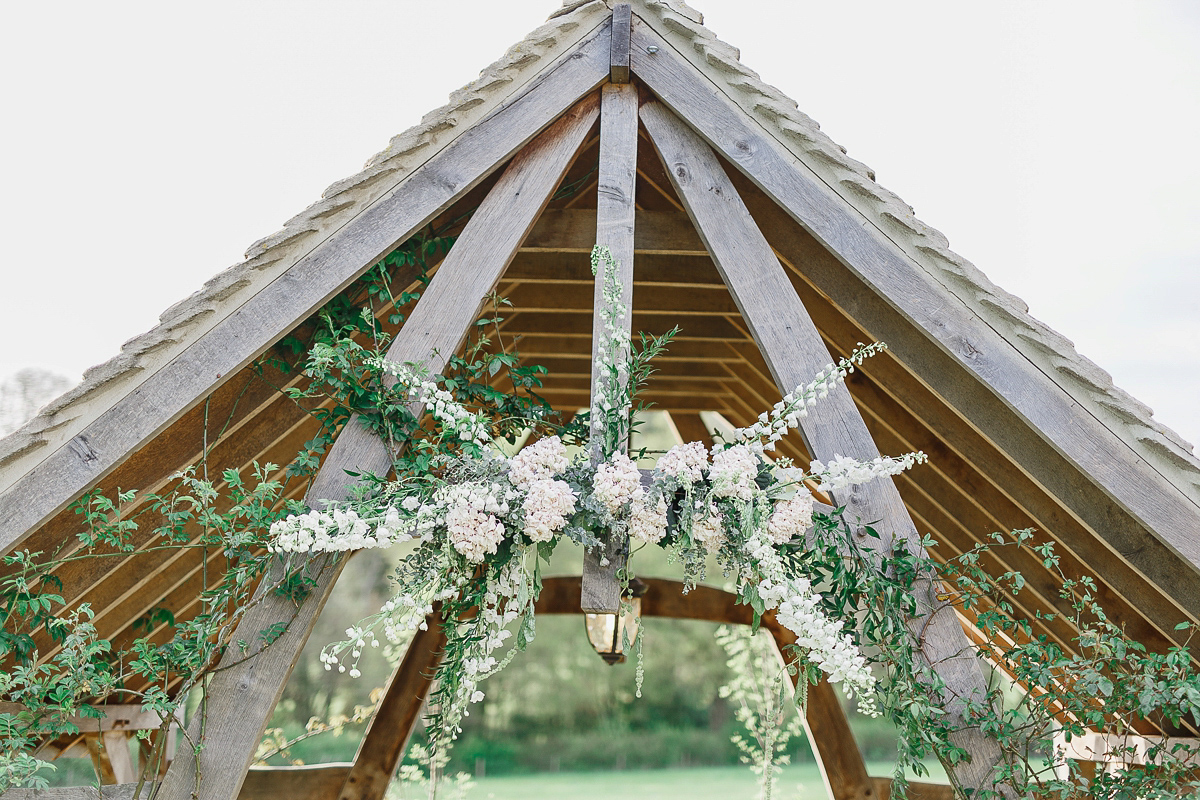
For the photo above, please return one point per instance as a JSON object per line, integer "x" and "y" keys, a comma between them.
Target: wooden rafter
{"x": 601, "y": 590}
{"x": 1006, "y": 395}
{"x": 245, "y": 691}
{"x": 382, "y": 747}
{"x": 793, "y": 349}
{"x": 303, "y": 288}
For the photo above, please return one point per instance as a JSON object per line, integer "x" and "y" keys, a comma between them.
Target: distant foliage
{"x": 26, "y": 391}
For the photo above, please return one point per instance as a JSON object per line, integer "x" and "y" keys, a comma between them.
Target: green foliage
{"x": 881, "y": 589}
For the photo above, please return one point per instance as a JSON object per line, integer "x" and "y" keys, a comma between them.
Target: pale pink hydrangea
{"x": 616, "y": 483}
{"x": 471, "y": 521}
{"x": 709, "y": 529}
{"x": 733, "y": 473}
{"x": 548, "y": 506}
{"x": 649, "y": 522}
{"x": 791, "y": 518}
{"x": 541, "y": 460}
{"x": 685, "y": 462}
{"x": 474, "y": 533}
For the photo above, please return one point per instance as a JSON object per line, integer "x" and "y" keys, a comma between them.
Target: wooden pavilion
{"x": 732, "y": 215}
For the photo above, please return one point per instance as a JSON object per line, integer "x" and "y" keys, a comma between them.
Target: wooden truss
{"x": 775, "y": 310}
{"x": 243, "y": 695}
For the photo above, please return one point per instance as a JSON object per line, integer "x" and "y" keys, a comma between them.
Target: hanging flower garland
{"x": 483, "y": 522}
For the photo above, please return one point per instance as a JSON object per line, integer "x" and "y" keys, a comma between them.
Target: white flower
{"x": 843, "y": 471}
{"x": 733, "y": 472}
{"x": 684, "y": 462}
{"x": 708, "y": 529}
{"x": 790, "y": 518}
{"x": 548, "y": 506}
{"x": 649, "y": 523}
{"x": 543, "y": 459}
{"x": 616, "y": 482}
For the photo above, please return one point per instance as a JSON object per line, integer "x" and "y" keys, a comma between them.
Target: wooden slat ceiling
{"x": 968, "y": 490}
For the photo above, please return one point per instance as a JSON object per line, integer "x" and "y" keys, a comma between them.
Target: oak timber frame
{"x": 695, "y": 130}
{"x": 781, "y": 327}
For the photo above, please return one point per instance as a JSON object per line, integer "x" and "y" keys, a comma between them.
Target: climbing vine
{"x": 479, "y": 524}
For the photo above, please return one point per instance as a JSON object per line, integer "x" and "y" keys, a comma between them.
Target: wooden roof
{"x": 1021, "y": 430}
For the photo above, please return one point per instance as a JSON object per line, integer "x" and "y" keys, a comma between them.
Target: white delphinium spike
{"x": 843, "y": 471}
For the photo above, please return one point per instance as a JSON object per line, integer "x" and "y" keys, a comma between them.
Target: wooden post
{"x": 110, "y": 755}
{"x": 614, "y": 229}
{"x": 794, "y": 352}
{"x": 243, "y": 693}
{"x": 622, "y": 17}
{"x": 382, "y": 747}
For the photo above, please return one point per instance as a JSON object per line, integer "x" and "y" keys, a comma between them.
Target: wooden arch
{"x": 833, "y": 743}
{"x": 778, "y": 272}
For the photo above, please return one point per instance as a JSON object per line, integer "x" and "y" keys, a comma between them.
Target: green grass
{"x": 799, "y": 782}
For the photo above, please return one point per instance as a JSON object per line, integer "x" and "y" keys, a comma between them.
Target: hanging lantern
{"x": 608, "y": 632}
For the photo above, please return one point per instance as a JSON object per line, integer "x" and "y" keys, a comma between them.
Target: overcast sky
{"x": 146, "y": 145}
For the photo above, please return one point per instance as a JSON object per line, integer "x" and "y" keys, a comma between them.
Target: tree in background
{"x": 26, "y": 391}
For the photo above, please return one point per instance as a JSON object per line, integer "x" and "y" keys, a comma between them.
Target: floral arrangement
{"x": 479, "y": 524}
{"x": 481, "y": 521}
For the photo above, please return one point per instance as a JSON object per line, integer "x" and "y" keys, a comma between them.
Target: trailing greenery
{"x": 482, "y": 524}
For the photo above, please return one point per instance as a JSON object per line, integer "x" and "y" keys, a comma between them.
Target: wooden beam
{"x": 838, "y": 756}
{"x": 601, "y": 589}
{"x": 303, "y": 288}
{"x": 793, "y": 349}
{"x": 622, "y": 16}
{"x": 242, "y": 695}
{"x": 695, "y": 329}
{"x": 1084, "y": 523}
{"x": 668, "y": 233}
{"x": 680, "y": 301}
{"x": 1004, "y": 393}
{"x": 691, "y": 428}
{"x": 383, "y": 744}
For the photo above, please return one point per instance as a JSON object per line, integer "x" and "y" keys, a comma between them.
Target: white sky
{"x": 144, "y": 146}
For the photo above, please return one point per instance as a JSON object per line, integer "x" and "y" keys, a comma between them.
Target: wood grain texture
{"x": 792, "y": 348}
{"x": 985, "y": 358}
{"x": 614, "y": 230}
{"x": 297, "y": 293}
{"x": 973, "y": 423}
{"x": 439, "y": 322}
{"x": 573, "y": 230}
{"x": 243, "y": 694}
{"x": 622, "y": 16}
{"x": 383, "y": 744}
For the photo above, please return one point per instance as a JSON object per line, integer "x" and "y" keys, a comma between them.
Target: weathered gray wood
{"x": 435, "y": 330}
{"x": 622, "y": 16}
{"x": 986, "y": 360}
{"x": 573, "y": 230}
{"x": 382, "y": 746}
{"x": 243, "y": 693}
{"x": 793, "y": 350}
{"x": 614, "y": 230}
{"x": 297, "y": 293}
{"x": 1009, "y": 452}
